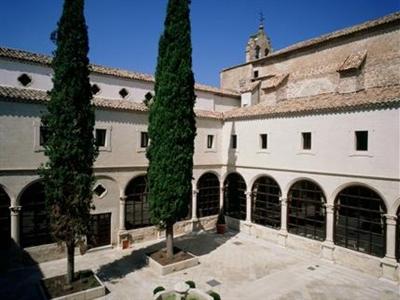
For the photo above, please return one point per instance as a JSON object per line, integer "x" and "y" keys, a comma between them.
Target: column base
{"x": 124, "y": 239}
{"x": 327, "y": 249}
{"x": 195, "y": 225}
{"x": 246, "y": 228}
{"x": 282, "y": 237}
{"x": 390, "y": 269}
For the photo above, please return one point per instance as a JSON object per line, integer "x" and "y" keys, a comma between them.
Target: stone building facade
{"x": 300, "y": 146}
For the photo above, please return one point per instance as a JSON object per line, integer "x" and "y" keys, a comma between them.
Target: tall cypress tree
{"x": 172, "y": 125}
{"x": 70, "y": 148}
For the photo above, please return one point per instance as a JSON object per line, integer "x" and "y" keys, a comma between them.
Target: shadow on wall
{"x": 196, "y": 243}
{"x": 19, "y": 274}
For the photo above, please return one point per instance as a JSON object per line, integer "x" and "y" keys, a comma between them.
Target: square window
{"x": 101, "y": 137}
{"x": 361, "y": 140}
{"x": 264, "y": 141}
{"x": 234, "y": 141}
{"x": 44, "y": 134}
{"x": 255, "y": 74}
{"x": 144, "y": 139}
{"x": 306, "y": 136}
{"x": 210, "y": 141}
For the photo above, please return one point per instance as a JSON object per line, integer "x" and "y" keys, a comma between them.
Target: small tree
{"x": 70, "y": 147}
{"x": 172, "y": 125}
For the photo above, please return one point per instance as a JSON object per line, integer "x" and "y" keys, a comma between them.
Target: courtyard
{"x": 235, "y": 265}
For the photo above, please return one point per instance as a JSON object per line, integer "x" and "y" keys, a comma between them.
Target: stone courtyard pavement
{"x": 242, "y": 267}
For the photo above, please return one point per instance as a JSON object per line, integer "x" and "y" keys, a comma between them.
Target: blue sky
{"x": 125, "y": 33}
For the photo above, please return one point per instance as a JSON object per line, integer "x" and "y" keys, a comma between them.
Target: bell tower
{"x": 259, "y": 44}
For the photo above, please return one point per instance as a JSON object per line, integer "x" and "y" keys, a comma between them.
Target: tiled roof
{"x": 373, "y": 98}
{"x": 40, "y": 96}
{"x": 392, "y": 18}
{"x": 46, "y": 60}
{"x": 274, "y": 82}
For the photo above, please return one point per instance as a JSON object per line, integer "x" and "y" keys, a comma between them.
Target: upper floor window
{"x": 24, "y": 79}
{"x": 210, "y": 141}
{"x": 101, "y": 137}
{"x": 234, "y": 141}
{"x": 43, "y": 135}
{"x": 255, "y": 74}
{"x": 144, "y": 139}
{"x": 264, "y": 141}
{"x": 306, "y": 140}
{"x": 95, "y": 89}
{"x": 123, "y": 92}
{"x": 361, "y": 139}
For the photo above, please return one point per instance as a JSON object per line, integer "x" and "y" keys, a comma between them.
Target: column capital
{"x": 329, "y": 207}
{"x": 195, "y": 192}
{"x": 15, "y": 210}
{"x": 391, "y": 219}
{"x": 283, "y": 200}
{"x": 123, "y": 198}
{"x": 248, "y": 193}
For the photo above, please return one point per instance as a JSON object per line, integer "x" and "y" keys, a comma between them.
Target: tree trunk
{"x": 70, "y": 262}
{"x": 170, "y": 240}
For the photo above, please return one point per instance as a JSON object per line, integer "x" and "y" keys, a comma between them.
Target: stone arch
{"x": 208, "y": 194}
{"x": 306, "y": 209}
{"x": 357, "y": 183}
{"x": 360, "y": 222}
{"x": 209, "y": 171}
{"x": 265, "y": 199}
{"x": 34, "y": 216}
{"x": 5, "y": 218}
{"x": 256, "y": 177}
{"x": 395, "y": 208}
{"x": 125, "y": 184}
{"x": 297, "y": 179}
{"x": 137, "y": 213}
{"x": 235, "y": 196}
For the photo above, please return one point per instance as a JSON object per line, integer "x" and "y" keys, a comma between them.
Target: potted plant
{"x": 221, "y": 224}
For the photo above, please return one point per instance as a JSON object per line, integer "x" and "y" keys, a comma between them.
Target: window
{"x": 264, "y": 141}
{"x": 235, "y": 196}
{"x": 123, "y": 93}
{"x": 361, "y": 140}
{"x": 101, "y": 137}
{"x": 306, "y": 137}
{"x": 255, "y": 74}
{"x": 100, "y": 191}
{"x": 258, "y": 50}
{"x": 208, "y": 195}
{"x": 44, "y": 135}
{"x": 24, "y": 79}
{"x": 95, "y": 89}
{"x": 137, "y": 213}
{"x": 210, "y": 141}
{"x": 144, "y": 139}
{"x": 233, "y": 141}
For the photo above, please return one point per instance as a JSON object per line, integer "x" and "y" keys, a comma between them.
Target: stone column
{"x": 248, "y": 207}
{"x": 283, "y": 233}
{"x": 389, "y": 263}
{"x": 122, "y": 213}
{"x": 221, "y": 196}
{"x": 328, "y": 246}
{"x": 194, "y": 205}
{"x": 15, "y": 210}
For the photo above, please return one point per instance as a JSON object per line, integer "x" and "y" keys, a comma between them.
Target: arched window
{"x": 208, "y": 195}
{"x": 235, "y": 196}
{"x": 5, "y": 226}
{"x": 34, "y": 218}
{"x": 359, "y": 220}
{"x": 306, "y": 210}
{"x": 136, "y": 204}
{"x": 258, "y": 52}
{"x": 266, "y": 206}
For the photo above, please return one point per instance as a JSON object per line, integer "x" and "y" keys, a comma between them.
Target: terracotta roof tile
{"x": 46, "y": 60}
{"x": 323, "y": 103}
{"x": 39, "y": 96}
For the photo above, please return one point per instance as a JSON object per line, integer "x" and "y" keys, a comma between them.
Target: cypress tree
{"x": 172, "y": 125}
{"x": 70, "y": 147}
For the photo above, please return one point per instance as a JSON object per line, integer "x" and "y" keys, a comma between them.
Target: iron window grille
{"x": 266, "y": 206}
{"x": 235, "y": 196}
{"x": 137, "y": 213}
{"x": 306, "y": 210}
{"x": 208, "y": 195}
{"x": 360, "y": 224}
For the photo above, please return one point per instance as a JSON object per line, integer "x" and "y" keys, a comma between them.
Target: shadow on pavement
{"x": 199, "y": 244}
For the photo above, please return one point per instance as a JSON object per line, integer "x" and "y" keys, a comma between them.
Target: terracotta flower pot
{"x": 221, "y": 228}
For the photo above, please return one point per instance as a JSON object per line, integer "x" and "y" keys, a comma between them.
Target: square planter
{"x": 173, "y": 267}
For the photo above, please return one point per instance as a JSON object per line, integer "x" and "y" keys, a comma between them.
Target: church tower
{"x": 259, "y": 44}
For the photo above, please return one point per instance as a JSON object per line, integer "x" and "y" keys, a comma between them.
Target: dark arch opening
{"x": 235, "y": 196}
{"x": 5, "y": 219}
{"x": 137, "y": 213}
{"x": 208, "y": 195}
{"x": 360, "y": 223}
{"x": 306, "y": 210}
{"x": 34, "y": 217}
{"x": 266, "y": 206}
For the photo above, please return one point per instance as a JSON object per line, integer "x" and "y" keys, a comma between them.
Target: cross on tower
{"x": 262, "y": 19}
